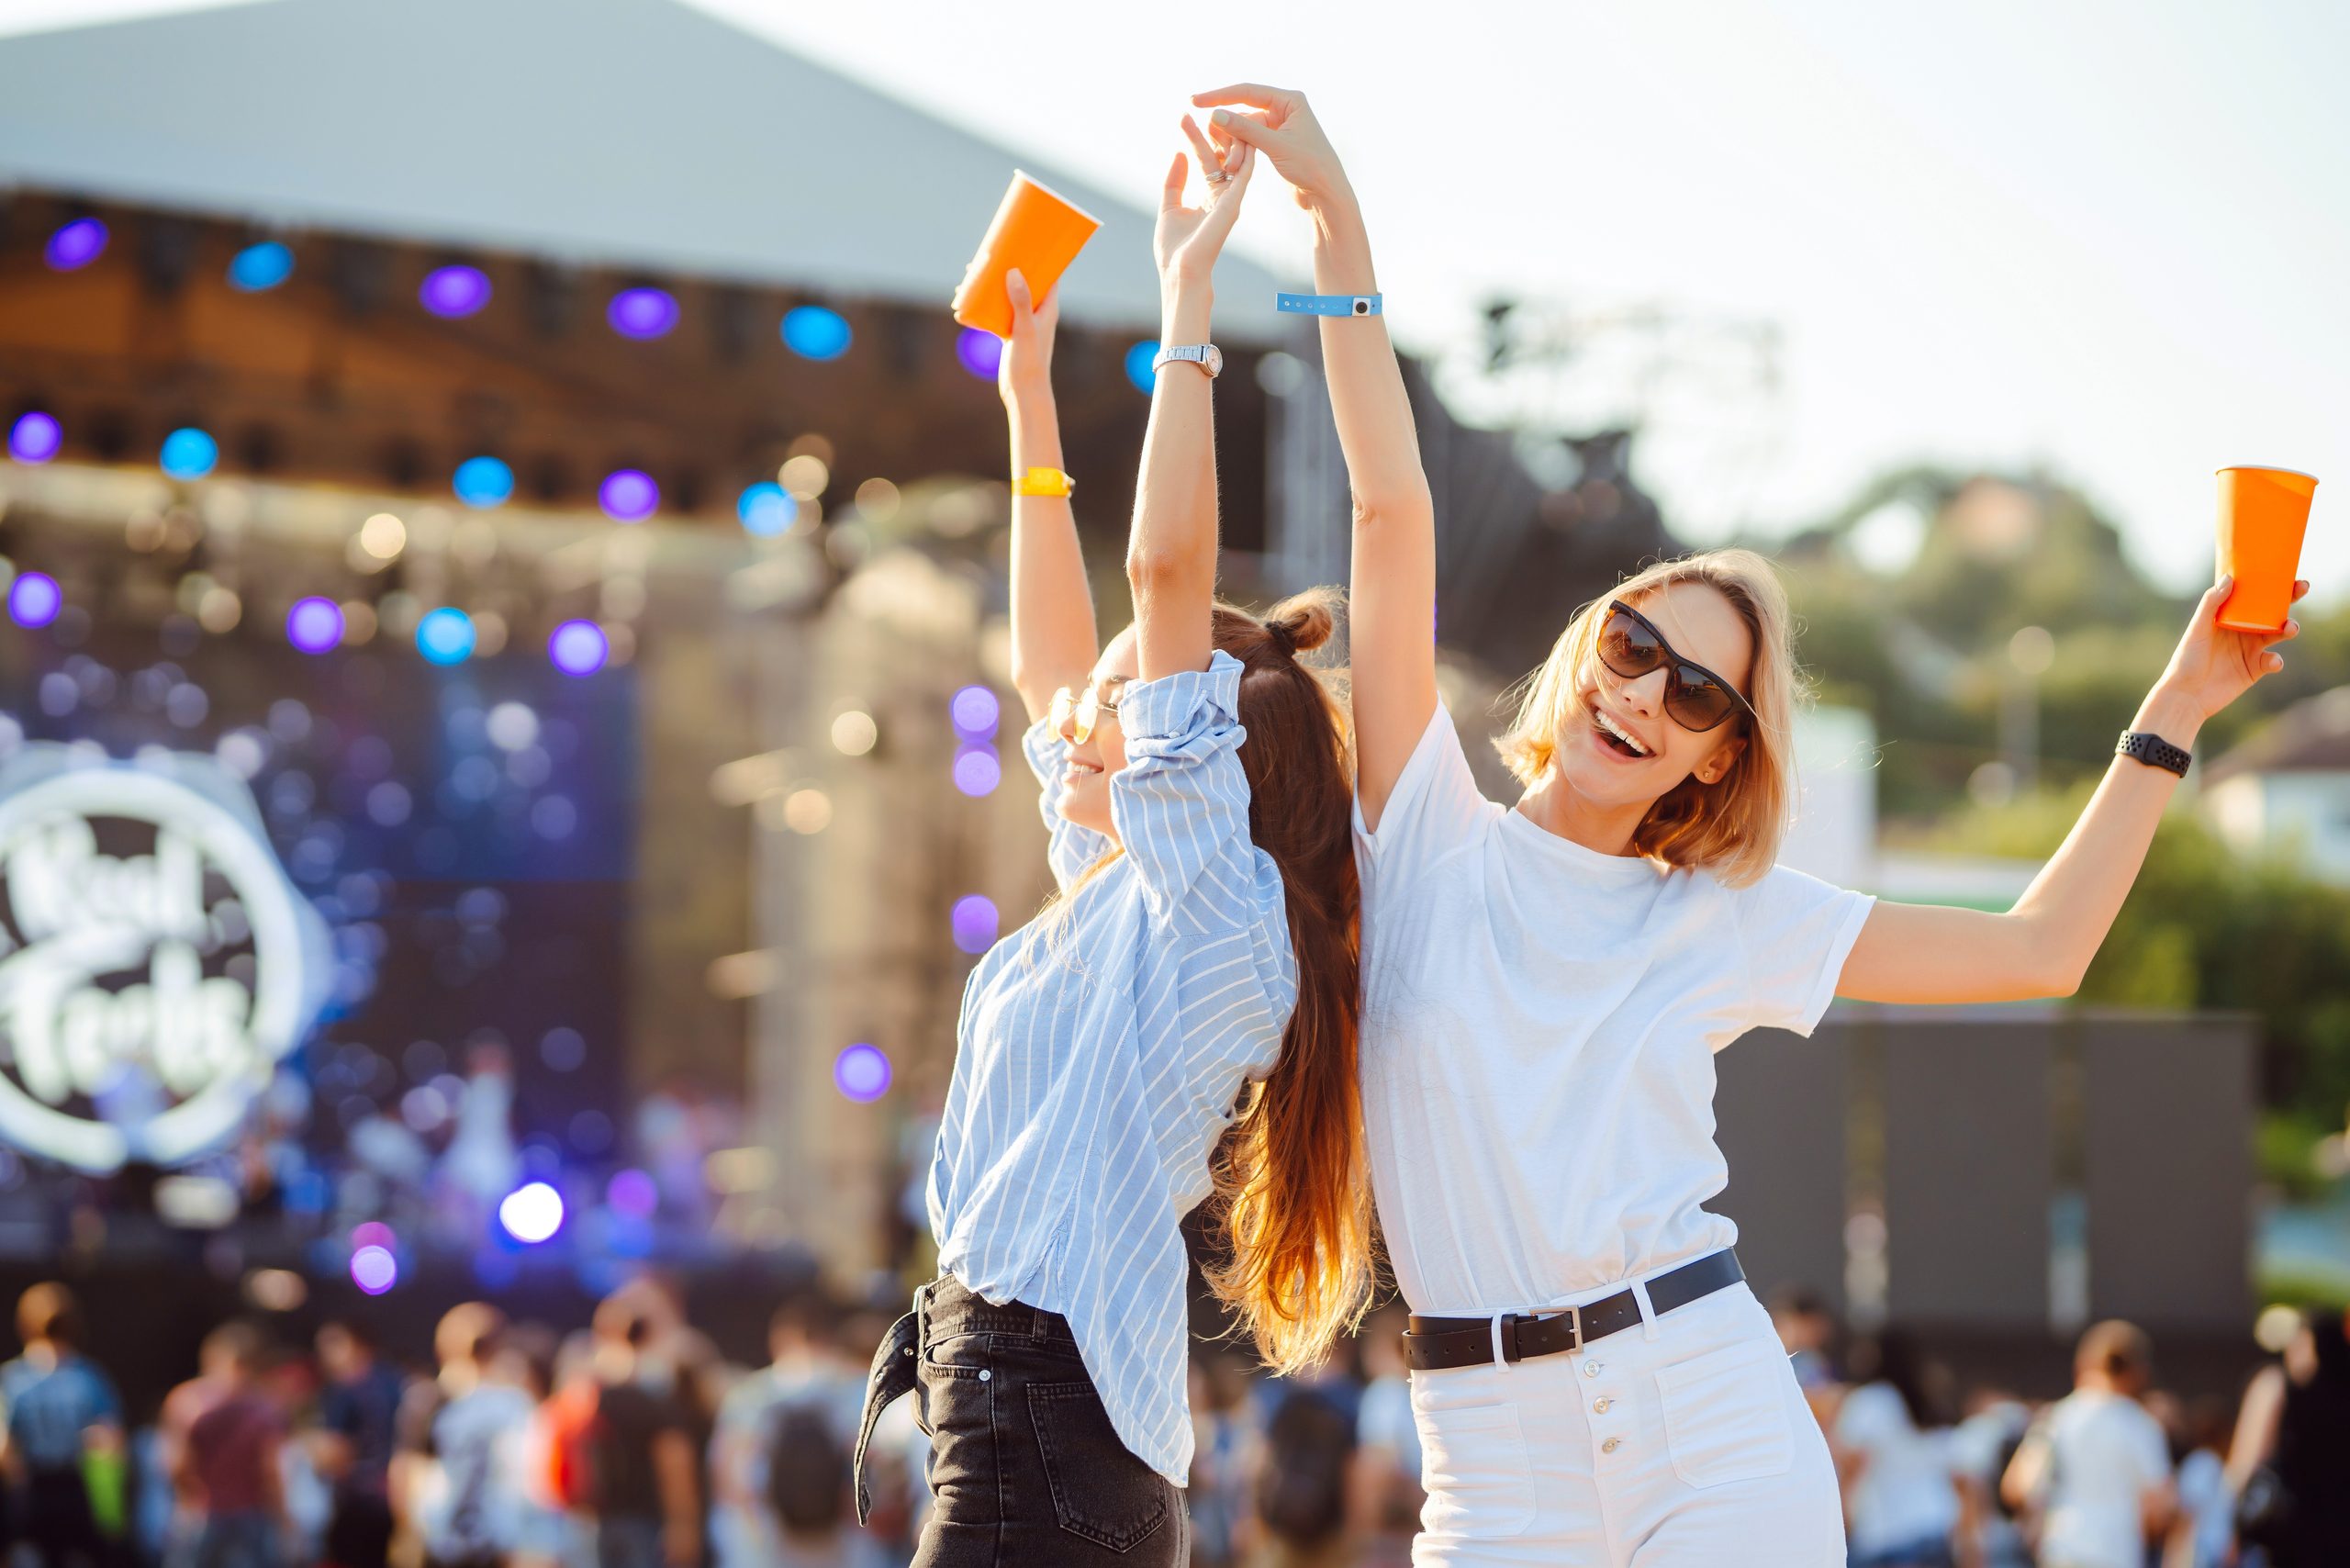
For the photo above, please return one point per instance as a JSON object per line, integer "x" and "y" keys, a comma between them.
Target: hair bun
{"x": 1303, "y": 622}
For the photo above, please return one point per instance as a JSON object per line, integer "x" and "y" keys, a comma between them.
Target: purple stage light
{"x": 578, "y": 647}
{"x": 976, "y": 771}
{"x": 454, "y": 291}
{"x": 861, "y": 1073}
{"x": 314, "y": 625}
{"x": 641, "y": 312}
{"x": 975, "y": 711}
{"x": 634, "y": 1193}
{"x": 975, "y": 921}
{"x": 373, "y": 1233}
{"x": 628, "y": 494}
{"x": 34, "y": 599}
{"x": 980, "y": 351}
{"x": 532, "y": 1213}
{"x": 374, "y": 1270}
{"x": 34, "y": 438}
{"x": 77, "y": 245}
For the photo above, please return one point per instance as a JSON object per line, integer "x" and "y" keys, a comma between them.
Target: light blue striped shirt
{"x": 1100, "y": 1052}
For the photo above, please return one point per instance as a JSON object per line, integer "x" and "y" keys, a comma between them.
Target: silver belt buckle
{"x": 1574, "y": 1316}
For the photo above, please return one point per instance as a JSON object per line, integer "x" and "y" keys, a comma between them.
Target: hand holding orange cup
{"x": 2262, "y": 514}
{"x": 1036, "y": 230}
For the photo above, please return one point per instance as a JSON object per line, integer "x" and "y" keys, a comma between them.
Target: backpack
{"x": 1302, "y": 1489}
{"x": 808, "y": 1471}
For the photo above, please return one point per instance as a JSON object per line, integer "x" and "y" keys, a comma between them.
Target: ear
{"x": 1715, "y": 768}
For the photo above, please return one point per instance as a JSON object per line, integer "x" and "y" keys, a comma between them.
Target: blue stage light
{"x": 766, "y": 510}
{"x": 257, "y": 267}
{"x": 189, "y": 453}
{"x": 1138, "y": 360}
{"x": 77, "y": 245}
{"x": 484, "y": 482}
{"x": 445, "y": 636}
{"x": 813, "y": 332}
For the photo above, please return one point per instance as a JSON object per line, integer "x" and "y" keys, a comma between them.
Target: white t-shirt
{"x": 1905, "y": 1493}
{"x": 1538, "y": 1026}
{"x": 2104, "y": 1453}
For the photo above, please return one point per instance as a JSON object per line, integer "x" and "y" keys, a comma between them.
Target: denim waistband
{"x": 946, "y": 1307}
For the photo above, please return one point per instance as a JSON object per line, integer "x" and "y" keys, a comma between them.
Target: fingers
{"x": 2300, "y": 587}
{"x": 1225, "y": 208}
{"x": 1279, "y": 101}
{"x": 1016, "y": 286}
{"x": 1171, "y": 195}
{"x": 1209, "y": 157}
{"x": 1249, "y": 128}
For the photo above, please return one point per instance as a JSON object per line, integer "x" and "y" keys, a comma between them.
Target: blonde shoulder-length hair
{"x": 1732, "y": 828}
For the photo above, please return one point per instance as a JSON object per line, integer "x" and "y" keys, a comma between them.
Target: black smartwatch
{"x": 2154, "y": 751}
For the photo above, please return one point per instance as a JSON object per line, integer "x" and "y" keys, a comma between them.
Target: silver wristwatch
{"x": 1207, "y": 356}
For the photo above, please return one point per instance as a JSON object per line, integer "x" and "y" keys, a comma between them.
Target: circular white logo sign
{"x": 152, "y": 959}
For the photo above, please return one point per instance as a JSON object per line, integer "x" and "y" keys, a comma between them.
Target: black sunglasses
{"x": 1695, "y": 696}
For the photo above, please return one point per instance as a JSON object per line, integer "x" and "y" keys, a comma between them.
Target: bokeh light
{"x": 975, "y": 921}
{"x": 532, "y": 1213}
{"x": 975, "y": 711}
{"x": 861, "y": 1073}
{"x": 257, "y": 267}
{"x": 77, "y": 245}
{"x": 642, "y": 313}
{"x": 767, "y": 511}
{"x": 34, "y": 599}
{"x": 314, "y": 625}
{"x": 578, "y": 647}
{"x": 445, "y": 636}
{"x": 976, "y": 771}
{"x": 628, "y": 494}
{"x": 189, "y": 453}
{"x": 633, "y": 1192}
{"x": 980, "y": 351}
{"x": 34, "y": 438}
{"x": 813, "y": 332}
{"x": 483, "y": 482}
{"x": 374, "y": 1270}
{"x": 1138, "y": 360}
{"x": 454, "y": 291}
{"x": 373, "y": 1233}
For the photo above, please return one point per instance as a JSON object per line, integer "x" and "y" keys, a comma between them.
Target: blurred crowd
{"x": 633, "y": 1443}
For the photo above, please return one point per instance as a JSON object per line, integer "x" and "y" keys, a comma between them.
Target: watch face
{"x": 1214, "y": 360}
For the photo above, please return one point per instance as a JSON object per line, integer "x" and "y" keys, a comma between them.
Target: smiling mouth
{"x": 1080, "y": 767}
{"x": 1613, "y": 735}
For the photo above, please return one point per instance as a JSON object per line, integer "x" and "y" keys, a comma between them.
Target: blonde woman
{"x": 1546, "y": 982}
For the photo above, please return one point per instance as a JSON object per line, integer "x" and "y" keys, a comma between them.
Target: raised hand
{"x": 2214, "y": 665}
{"x": 1189, "y": 239}
{"x": 1283, "y": 129}
{"x": 1025, "y": 370}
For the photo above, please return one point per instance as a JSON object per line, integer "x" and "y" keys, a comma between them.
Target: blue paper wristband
{"x": 1329, "y": 304}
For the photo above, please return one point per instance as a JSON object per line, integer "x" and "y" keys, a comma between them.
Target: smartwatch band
{"x": 1329, "y": 304}
{"x": 1042, "y": 482}
{"x": 2154, "y": 751}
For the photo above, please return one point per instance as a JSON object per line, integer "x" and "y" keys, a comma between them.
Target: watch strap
{"x": 1207, "y": 356}
{"x": 1042, "y": 481}
{"x": 2154, "y": 751}
{"x": 1329, "y": 304}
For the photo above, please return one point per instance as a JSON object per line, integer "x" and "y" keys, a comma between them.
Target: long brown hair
{"x": 1291, "y": 1200}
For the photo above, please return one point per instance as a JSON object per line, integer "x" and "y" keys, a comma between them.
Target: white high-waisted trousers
{"x": 1680, "y": 1443}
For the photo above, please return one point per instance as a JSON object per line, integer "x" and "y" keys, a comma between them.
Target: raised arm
{"x": 1053, "y": 637}
{"x": 2043, "y": 946}
{"x": 1170, "y": 556}
{"x": 1391, "y": 613}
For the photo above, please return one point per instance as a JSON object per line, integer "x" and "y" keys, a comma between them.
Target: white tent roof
{"x": 632, "y": 133}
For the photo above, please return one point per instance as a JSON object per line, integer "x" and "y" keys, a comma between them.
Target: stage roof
{"x": 626, "y": 133}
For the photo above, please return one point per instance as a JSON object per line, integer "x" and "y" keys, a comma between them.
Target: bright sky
{"x": 2111, "y": 237}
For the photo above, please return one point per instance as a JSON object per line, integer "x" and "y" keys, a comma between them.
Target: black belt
{"x": 1434, "y": 1343}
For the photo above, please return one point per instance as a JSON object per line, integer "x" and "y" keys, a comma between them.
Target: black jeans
{"x": 1026, "y": 1470}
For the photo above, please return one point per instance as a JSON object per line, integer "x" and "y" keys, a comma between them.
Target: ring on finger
{"x": 1217, "y": 178}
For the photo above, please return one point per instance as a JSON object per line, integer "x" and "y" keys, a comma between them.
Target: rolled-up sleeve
{"x": 1069, "y": 848}
{"x": 1182, "y": 801}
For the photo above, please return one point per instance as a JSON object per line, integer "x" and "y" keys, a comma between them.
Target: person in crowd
{"x": 351, "y": 1446}
{"x": 226, "y": 1456}
{"x": 2096, "y": 1467}
{"x": 1807, "y": 1330}
{"x": 1308, "y": 1484}
{"x": 1180, "y": 1020}
{"x": 458, "y": 1477}
{"x": 641, "y": 1451}
{"x": 1225, "y": 1446}
{"x": 2206, "y": 1527}
{"x": 779, "y": 1463}
{"x": 64, "y": 1419}
{"x": 1982, "y": 1444}
{"x": 1893, "y": 1454}
{"x": 2290, "y": 1455}
{"x": 1389, "y": 1443}
{"x": 1545, "y": 985}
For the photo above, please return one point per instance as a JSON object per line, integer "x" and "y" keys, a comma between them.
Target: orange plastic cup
{"x": 2262, "y": 514}
{"x": 1036, "y": 230}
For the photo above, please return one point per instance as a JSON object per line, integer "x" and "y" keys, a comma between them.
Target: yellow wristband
{"x": 1042, "y": 482}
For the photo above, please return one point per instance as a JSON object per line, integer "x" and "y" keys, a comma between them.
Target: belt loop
{"x": 1649, "y": 1330}
{"x": 1500, "y": 1359}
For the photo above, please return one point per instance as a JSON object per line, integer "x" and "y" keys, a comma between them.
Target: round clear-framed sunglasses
{"x": 1082, "y": 711}
{"x": 1695, "y": 696}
